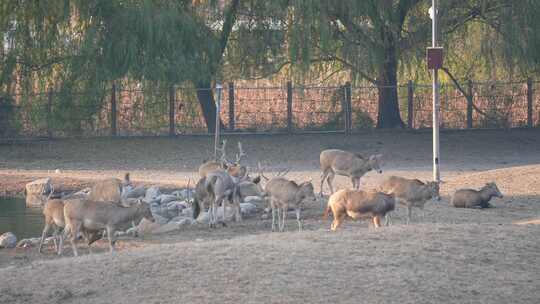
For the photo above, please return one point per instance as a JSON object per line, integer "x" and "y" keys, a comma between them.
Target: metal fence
{"x": 127, "y": 111}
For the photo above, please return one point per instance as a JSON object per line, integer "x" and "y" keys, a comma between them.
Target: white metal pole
{"x": 436, "y": 105}
{"x": 218, "y": 110}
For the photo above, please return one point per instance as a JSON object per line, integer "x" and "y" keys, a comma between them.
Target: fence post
{"x": 113, "y": 109}
{"x": 49, "y": 113}
{"x": 348, "y": 108}
{"x": 172, "y": 127}
{"x": 231, "y": 106}
{"x": 529, "y": 103}
{"x": 289, "y": 106}
{"x": 469, "y": 104}
{"x": 410, "y": 105}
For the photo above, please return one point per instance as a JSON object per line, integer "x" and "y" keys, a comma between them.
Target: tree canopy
{"x": 86, "y": 45}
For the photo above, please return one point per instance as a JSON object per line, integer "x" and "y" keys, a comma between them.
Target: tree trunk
{"x": 389, "y": 115}
{"x": 205, "y": 96}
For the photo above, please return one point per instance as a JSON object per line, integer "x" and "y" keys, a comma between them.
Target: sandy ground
{"x": 451, "y": 255}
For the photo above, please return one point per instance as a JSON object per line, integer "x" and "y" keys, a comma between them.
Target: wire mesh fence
{"x": 125, "y": 110}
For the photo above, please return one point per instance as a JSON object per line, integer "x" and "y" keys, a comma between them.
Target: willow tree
{"x": 374, "y": 38}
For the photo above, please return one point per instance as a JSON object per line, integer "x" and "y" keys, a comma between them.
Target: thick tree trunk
{"x": 389, "y": 116}
{"x": 205, "y": 96}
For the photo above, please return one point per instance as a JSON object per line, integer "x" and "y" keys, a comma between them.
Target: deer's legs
{"x": 298, "y": 219}
{"x": 112, "y": 238}
{"x": 355, "y": 182}
{"x": 323, "y": 178}
{"x": 329, "y": 181}
{"x": 274, "y": 215}
{"x": 224, "y": 209}
{"x": 44, "y": 234}
{"x": 284, "y": 209}
{"x": 377, "y": 221}
{"x": 338, "y": 219}
{"x": 74, "y": 230}
{"x": 409, "y": 214}
{"x": 60, "y": 239}
{"x": 387, "y": 219}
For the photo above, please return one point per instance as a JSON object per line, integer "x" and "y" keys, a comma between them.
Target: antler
{"x": 241, "y": 153}
{"x": 283, "y": 172}
{"x": 260, "y": 170}
{"x": 50, "y": 193}
{"x": 223, "y": 151}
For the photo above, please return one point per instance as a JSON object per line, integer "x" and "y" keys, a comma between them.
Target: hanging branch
{"x": 468, "y": 96}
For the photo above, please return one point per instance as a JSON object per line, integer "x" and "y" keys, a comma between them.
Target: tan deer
{"x": 84, "y": 214}
{"x": 357, "y": 204}
{"x": 235, "y": 169}
{"x": 53, "y": 211}
{"x": 109, "y": 190}
{"x": 411, "y": 192}
{"x": 283, "y": 194}
{"x": 334, "y": 161}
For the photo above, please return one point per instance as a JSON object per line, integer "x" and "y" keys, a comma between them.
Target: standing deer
{"x": 411, "y": 192}
{"x": 54, "y": 218}
{"x": 83, "y": 214}
{"x": 334, "y": 161}
{"x": 216, "y": 188}
{"x": 284, "y": 193}
{"x": 357, "y": 204}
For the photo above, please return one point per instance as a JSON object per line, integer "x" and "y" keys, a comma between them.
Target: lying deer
{"x": 345, "y": 163}
{"x": 357, "y": 204}
{"x": 216, "y": 188}
{"x": 411, "y": 192}
{"x": 89, "y": 215}
{"x": 470, "y": 198}
{"x": 235, "y": 169}
{"x": 283, "y": 194}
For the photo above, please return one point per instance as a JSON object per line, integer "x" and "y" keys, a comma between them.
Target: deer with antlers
{"x": 235, "y": 169}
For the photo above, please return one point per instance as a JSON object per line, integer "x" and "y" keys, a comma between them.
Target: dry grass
{"x": 451, "y": 256}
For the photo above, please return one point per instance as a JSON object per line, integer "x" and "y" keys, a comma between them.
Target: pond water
{"x": 23, "y": 221}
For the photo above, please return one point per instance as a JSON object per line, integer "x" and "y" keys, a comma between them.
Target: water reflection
{"x": 22, "y": 221}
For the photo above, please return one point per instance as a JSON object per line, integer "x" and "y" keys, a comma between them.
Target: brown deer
{"x": 470, "y": 198}
{"x": 109, "y": 190}
{"x": 411, "y": 192}
{"x": 283, "y": 194}
{"x": 334, "y": 161}
{"x": 357, "y": 204}
{"x": 54, "y": 218}
{"x": 89, "y": 215}
{"x": 216, "y": 188}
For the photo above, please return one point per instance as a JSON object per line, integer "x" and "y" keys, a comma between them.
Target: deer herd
{"x": 225, "y": 184}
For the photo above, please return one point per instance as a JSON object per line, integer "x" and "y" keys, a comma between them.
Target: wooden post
{"x": 49, "y": 113}
{"x": 113, "y": 110}
{"x": 172, "y": 98}
{"x": 231, "y": 106}
{"x": 469, "y": 104}
{"x": 289, "y": 107}
{"x": 529, "y": 103}
{"x": 410, "y": 105}
{"x": 348, "y": 108}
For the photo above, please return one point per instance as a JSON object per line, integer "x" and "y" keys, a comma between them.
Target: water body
{"x": 24, "y": 222}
